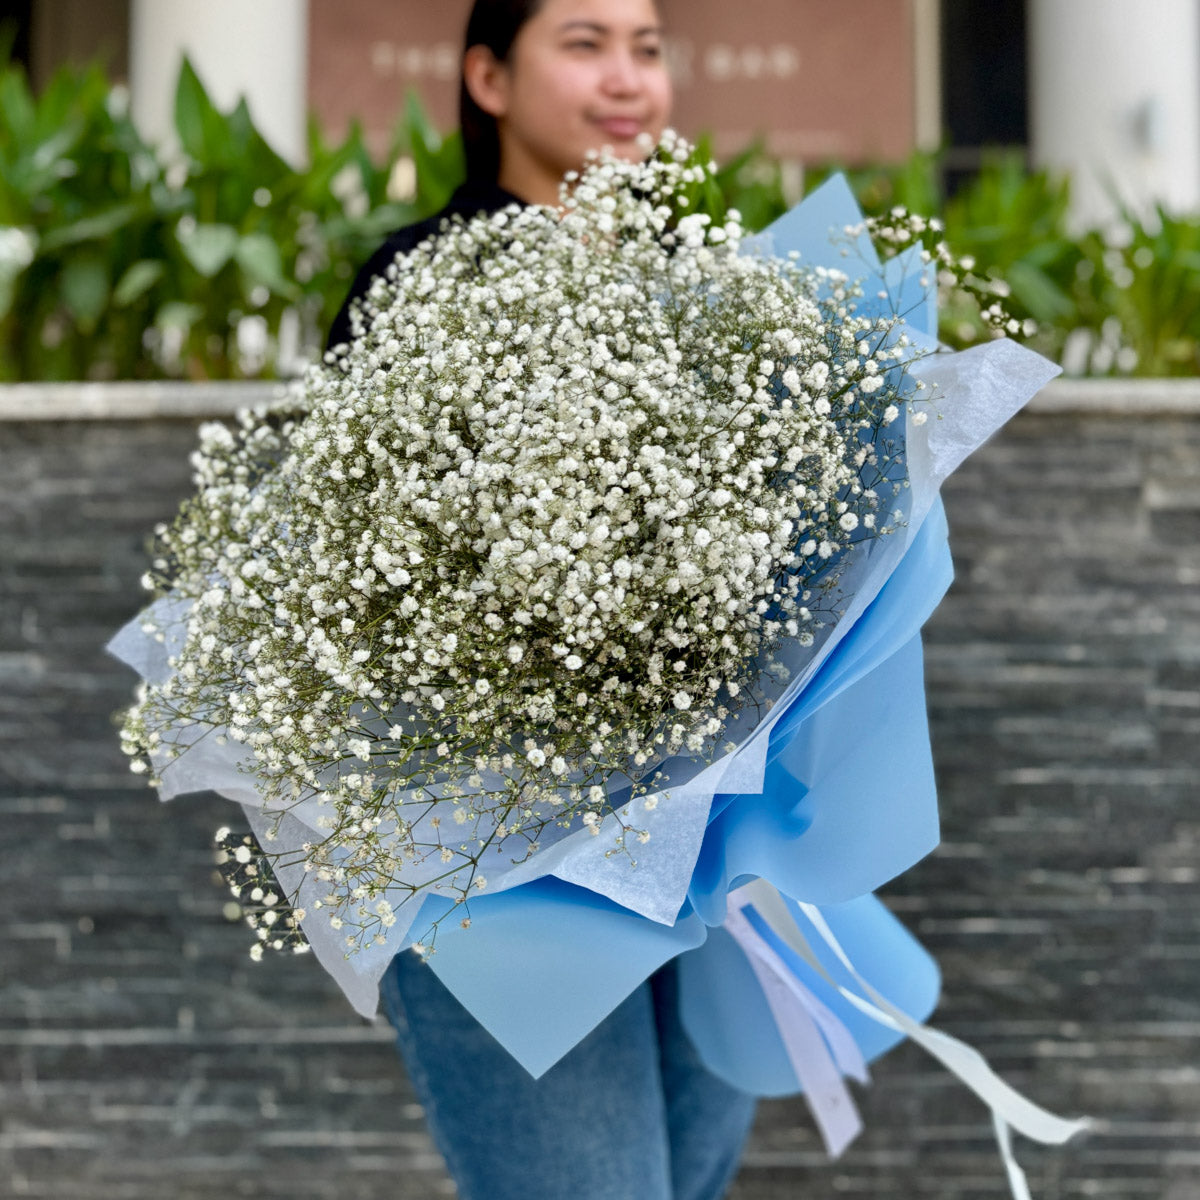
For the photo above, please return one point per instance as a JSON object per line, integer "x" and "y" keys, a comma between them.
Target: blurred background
{"x": 159, "y": 220}
{"x": 185, "y": 192}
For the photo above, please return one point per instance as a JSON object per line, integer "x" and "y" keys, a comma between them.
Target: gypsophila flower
{"x": 249, "y": 874}
{"x": 541, "y": 527}
{"x": 976, "y": 303}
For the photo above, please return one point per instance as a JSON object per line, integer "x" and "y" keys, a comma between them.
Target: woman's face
{"x": 581, "y": 75}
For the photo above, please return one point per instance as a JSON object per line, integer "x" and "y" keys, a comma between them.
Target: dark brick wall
{"x": 142, "y": 1055}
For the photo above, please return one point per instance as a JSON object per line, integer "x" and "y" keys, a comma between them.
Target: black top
{"x": 474, "y": 196}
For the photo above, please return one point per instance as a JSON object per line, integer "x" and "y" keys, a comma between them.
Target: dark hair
{"x": 494, "y": 24}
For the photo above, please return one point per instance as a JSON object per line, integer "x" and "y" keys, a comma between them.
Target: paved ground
{"x": 142, "y": 1055}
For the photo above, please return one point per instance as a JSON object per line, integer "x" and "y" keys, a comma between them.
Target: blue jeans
{"x": 631, "y": 1113}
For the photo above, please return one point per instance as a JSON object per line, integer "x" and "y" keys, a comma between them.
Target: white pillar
{"x": 1115, "y": 99}
{"x": 252, "y": 48}
{"x": 927, "y": 73}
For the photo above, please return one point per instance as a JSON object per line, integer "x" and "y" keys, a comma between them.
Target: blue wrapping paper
{"x": 848, "y": 803}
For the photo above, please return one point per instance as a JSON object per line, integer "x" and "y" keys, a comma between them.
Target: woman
{"x": 543, "y": 83}
{"x": 631, "y": 1113}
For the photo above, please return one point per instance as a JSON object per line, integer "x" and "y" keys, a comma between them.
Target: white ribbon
{"x": 1008, "y": 1107}
{"x": 820, "y": 1048}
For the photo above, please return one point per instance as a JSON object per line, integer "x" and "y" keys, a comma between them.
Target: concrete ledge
{"x": 129, "y": 400}
{"x": 195, "y": 401}
{"x": 1120, "y": 397}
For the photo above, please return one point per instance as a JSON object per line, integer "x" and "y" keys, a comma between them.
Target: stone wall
{"x": 142, "y": 1054}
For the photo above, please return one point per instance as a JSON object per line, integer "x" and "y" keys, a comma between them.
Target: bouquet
{"x": 582, "y": 588}
{"x": 538, "y": 535}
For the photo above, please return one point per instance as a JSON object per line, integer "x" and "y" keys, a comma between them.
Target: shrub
{"x": 216, "y": 259}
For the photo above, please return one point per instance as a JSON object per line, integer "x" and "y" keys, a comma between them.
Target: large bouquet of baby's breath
{"x": 537, "y": 531}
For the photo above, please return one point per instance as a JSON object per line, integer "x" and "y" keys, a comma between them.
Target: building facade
{"x": 779, "y": 69}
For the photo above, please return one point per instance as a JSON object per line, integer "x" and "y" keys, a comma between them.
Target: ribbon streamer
{"x": 1008, "y": 1107}
{"x": 819, "y": 1047}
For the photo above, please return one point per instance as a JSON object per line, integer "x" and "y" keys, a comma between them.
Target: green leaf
{"x": 137, "y": 281}
{"x": 417, "y": 123}
{"x": 17, "y": 110}
{"x": 1038, "y": 292}
{"x": 256, "y": 157}
{"x": 203, "y": 131}
{"x": 84, "y": 283}
{"x": 260, "y": 260}
{"x": 440, "y": 162}
{"x": 73, "y": 93}
{"x": 47, "y": 158}
{"x": 98, "y": 227}
{"x": 208, "y": 247}
{"x": 7, "y": 293}
{"x": 176, "y": 314}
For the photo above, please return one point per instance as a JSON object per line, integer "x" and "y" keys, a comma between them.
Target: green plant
{"x": 1014, "y": 222}
{"x": 217, "y": 259}
{"x": 214, "y": 259}
{"x": 915, "y": 184}
{"x": 1140, "y": 295}
{"x": 76, "y": 195}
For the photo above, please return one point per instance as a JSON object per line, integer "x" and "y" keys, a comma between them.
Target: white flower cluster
{"x": 259, "y": 900}
{"x": 986, "y": 313}
{"x": 538, "y": 529}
